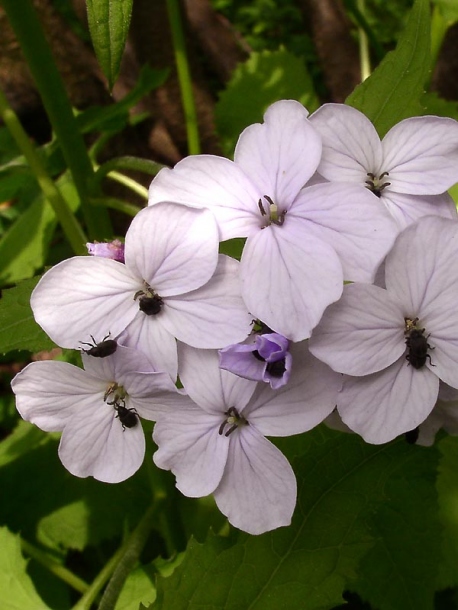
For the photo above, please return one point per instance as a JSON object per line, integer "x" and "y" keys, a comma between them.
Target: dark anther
{"x": 150, "y": 306}
{"x": 375, "y": 184}
{"x": 276, "y": 369}
{"x": 234, "y": 420}
{"x": 261, "y": 208}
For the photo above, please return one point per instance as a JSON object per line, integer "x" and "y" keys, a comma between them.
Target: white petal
{"x": 191, "y": 447}
{"x": 309, "y": 396}
{"x": 94, "y": 443}
{"x": 407, "y": 209}
{"x": 172, "y": 247}
{"x": 381, "y": 406}
{"x": 289, "y": 278}
{"x": 49, "y": 392}
{"x": 349, "y": 218}
{"x": 281, "y": 154}
{"x": 258, "y": 490}
{"x": 351, "y": 146}
{"x": 147, "y": 334}
{"x": 421, "y": 155}
{"x": 362, "y": 333}
{"x": 116, "y": 366}
{"x": 85, "y": 296}
{"x": 212, "y": 316}
{"x": 206, "y": 181}
{"x": 210, "y": 387}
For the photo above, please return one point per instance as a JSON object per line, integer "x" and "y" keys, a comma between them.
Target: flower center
{"x": 148, "y": 301}
{"x": 271, "y": 212}
{"x": 376, "y": 185}
{"x": 276, "y": 368}
{"x": 233, "y": 420}
{"x": 417, "y": 344}
{"x": 127, "y": 417}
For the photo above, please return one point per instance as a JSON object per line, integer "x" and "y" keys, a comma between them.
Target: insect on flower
{"x": 100, "y": 350}
{"x": 418, "y": 348}
{"x": 127, "y": 417}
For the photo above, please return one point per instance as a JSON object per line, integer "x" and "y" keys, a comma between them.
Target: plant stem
{"x": 184, "y": 78}
{"x": 55, "y": 568}
{"x": 116, "y": 204}
{"x": 71, "y": 227}
{"x": 439, "y": 27}
{"x": 365, "y": 61}
{"x": 40, "y": 61}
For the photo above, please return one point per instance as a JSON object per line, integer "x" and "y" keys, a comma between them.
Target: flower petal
{"x": 421, "y": 155}
{"x": 289, "y": 278}
{"x": 381, "y": 406}
{"x": 407, "y": 209}
{"x": 351, "y": 146}
{"x": 258, "y": 490}
{"x": 82, "y": 296}
{"x": 190, "y": 446}
{"x": 207, "y": 181}
{"x": 362, "y": 333}
{"x": 281, "y": 154}
{"x": 349, "y": 218}
{"x": 172, "y": 247}
{"x": 309, "y": 397}
{"x": 212, "y": 316}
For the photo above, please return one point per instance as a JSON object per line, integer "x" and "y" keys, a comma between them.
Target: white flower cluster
{"x": 321, "y": 201}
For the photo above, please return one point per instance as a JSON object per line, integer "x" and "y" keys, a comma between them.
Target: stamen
{"x": 376, "y": 185}
{"x": 275, "y": 217}
{"x": 234, "y": 420}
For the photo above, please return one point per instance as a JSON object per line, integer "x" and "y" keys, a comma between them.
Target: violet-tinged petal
{"x": 288, "y": 278}
{"x": 407, "y": 209}
{"x": 281, "y": 154}
{"x": 111, "y": 249}
{"x": 383, "y": 405}
{"x": 422, "y": 270}
{"x": 302, "y": 404}
{"x": 239, "y": 359}
{"x": 47, "y": 392}
{"x": 81, "y": 295}
{"x": 213, "y": 389}
{"x": 207, "y": 181}
{"x": 421, "y": 155}
{"x": 272, "y": 346}
{"x": 172, "y": 247}
{"x": 190, "y": 446}
{"x": 212, "y": 316}
{"x": 94, "y": 443}
{"x": 362, "y": 333}
{"x": 351, "y": 145}
{"x": 258, "y": 490}
{"x": 351, "y": 220}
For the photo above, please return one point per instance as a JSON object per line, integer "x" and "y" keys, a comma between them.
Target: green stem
{"x": 184, "y": 78}
{"x": 71, "y": 227}
{"x": 116, "y": 204}
{"x": 364, "y": 56}
{"x": 130, "y": 183}
{"x": 439, "y": 27}
{"x": 131, "y": 553}
{"x": 40, "y": 61}
{"x": 55, "y": 568}
{"x": 133, "y": 163}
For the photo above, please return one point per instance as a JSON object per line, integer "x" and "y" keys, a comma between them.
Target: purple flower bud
{"x": 112, "y": 249}
{"x": 266, "y": 358}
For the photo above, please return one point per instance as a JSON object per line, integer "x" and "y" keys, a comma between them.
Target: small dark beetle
{"x": 101, "y": 350}
{"x": 418, "y": 348}
{"x": 127, "y": 417}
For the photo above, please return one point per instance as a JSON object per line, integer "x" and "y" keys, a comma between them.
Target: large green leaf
{"x": 393, "y": 90}
{"x": 352, "y": 498}
{"x": 109, "y": 26}
{"x": 447, "y": 487}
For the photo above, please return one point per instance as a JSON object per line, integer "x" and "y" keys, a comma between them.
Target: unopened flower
{"x": 265, "y": 357}
{"x": 216, "y": 444}
{"x": 409, "y": 170}
{"x": 301, "y": 243}
{"x": 173, "y": 284}
{"x": 111, "y": 249}
{"x": 97, "y": 409}
{"x": 396, "y": 344}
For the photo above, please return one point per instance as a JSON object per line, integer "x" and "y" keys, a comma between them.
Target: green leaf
{"x": 447, "y": 488}
{"x": 16, "y": 589}
{"x": 109, "y": 26}
{"x": 345, "y": 489}
{"x": 263, "y": 79}
{"x": 393, "y": 90}
{"x": 449, "y": 10}
{"x": 25, "y": 437}
{"x": 18, "y": 329}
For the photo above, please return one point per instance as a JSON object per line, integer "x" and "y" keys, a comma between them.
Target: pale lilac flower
{"x": 396, "y": 344}
{"x": 97, "y": 409}
{"x": 301, "y": 243}
{"x": 264, "y": 357}
{"x": 216, "y": 444}
{"x": 173, "y": 284}
{"x": 111, "y": 249}
{"x": 409, "y": 170}
{"x": 443, "y": 416}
